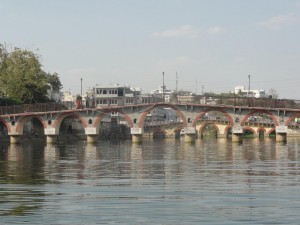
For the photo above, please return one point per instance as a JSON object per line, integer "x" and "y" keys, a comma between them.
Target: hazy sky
{"x": 212, "y": 44}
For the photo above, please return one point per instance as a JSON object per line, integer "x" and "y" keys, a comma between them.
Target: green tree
{"x": 54, "y": 81}
{"x": 22, "y": 77}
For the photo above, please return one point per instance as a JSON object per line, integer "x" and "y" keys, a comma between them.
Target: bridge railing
{"x": 248, "y": 101}
{"x": 39, "y": 107}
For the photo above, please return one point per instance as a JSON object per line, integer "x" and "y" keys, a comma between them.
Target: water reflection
{"x": 163, "y": 181}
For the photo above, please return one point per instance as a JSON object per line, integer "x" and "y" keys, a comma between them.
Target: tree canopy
{"x": 22, "y": 77}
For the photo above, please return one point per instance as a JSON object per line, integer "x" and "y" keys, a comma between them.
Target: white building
{"x": 250, "y": 93}
{"x": 162, "y": 91}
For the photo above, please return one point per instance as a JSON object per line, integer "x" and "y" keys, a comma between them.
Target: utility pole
{"x": 249, "y": 86}
{"x": 81, "y": 90}
{"x": 176, "y": 83}
{"x": 163, "y": 86}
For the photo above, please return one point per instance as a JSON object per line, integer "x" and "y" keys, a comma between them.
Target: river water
{"x": 213, "y": 181}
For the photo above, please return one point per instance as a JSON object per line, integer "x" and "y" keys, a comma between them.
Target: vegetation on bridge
{"x": 22, "y": 79}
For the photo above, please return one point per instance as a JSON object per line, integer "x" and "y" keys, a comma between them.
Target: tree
{"x": 54, "y": 82}
{"x": 22, "y": 77}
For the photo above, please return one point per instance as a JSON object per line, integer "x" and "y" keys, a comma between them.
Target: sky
{"x": 212, "y": 45}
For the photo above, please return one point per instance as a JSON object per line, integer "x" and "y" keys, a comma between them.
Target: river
{"x": 213, "y": 181}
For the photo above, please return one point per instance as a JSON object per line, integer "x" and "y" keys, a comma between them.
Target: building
{"x": 240, "y": 90}
{"x": 116, "y": 95}
{"x": 162, "y": 92}
{"x": 186, "y": 97}
{"x": 68, "y": 99}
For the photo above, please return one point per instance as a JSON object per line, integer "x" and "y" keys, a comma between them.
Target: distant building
{"x": 116, "y": 95}
{"x": 186, "y": 97}
{"x": 68, "y": 99}
{"x": 162, "y": 92}
{"x": 250, "y": 93}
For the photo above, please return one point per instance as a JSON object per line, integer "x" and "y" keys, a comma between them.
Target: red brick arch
{"x": 271, "y": 130}
{"x": 144, "y": 115}
{"x": 20, "y": 123}
{"x": 261, "y": 129}
{"x": 213, "y": 110}
{"x": 259, "y": 111}
{"x": 159, "y": 130}
{"x": 100, "y": 117}
{"x": 62, "y": 116}
{"x": 251, "y": 129}
{"x": 205, "y": 124}
{"x": 294, "y": 115}
{"x": 6, "y": 124}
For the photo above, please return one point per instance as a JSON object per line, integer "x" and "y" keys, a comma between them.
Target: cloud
{"x": 278, "y": 22}
{"x": 216, "y": 30}
{"x": 187, "y": 31}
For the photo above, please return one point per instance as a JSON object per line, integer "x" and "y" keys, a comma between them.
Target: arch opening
{"x": 209, "y": 130}
{"x": 114, "y": 125}
{"x": 71, "y": 127}
{"x": 162, "y": 118}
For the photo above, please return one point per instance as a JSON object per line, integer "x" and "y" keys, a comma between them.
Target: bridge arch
{"x": 213, "y": 110}
{"x": 177, "y": 131}
{"x": 206, "y": 124}
{"x": 159, "y": 133}
{"x": 145, "y": 113}
{"x": 273, "y": 130}
{"x": 62, "y": 116}
{"x": 292, "y": 116}
{"x": 261, "y": 112}
{"x": 250, "y": 129}
{"x": 261, "y": 129}
{"x": 5, "y": 123}
{"x": 100, "y": 117}
{"x": 24, "y": 119}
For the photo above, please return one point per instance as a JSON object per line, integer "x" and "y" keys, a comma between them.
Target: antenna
{"x": 176, "y": 83}
{"x": 196, "y": 86}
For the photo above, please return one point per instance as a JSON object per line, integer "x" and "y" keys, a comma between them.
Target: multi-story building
{"x": 116, "y": 95}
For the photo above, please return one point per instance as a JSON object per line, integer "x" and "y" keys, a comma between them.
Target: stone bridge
{"x": 193, "y": 119}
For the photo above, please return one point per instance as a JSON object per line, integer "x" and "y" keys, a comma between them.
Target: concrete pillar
{"x": 92, "y": 138}
{"x": 189, "y": 138}
{"x": 281, "y": 137}
{"x": 137, "y": 138}
{"x": 237, "y": 137}
{"x": 51, "y": 139}
{"x": 15, "y": 139}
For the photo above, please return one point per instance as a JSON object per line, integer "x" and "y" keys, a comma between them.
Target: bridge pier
{"x": 189, "y": 134}
{"x": 189, "y": 138}
{"x": 281, "y": 133}
{"x": 51, "y": 139}
{"x": 136, "y": 134}
{"x": 92, "y": 138}
{"x": 15, "y": 139}
{"x": 237, "y": 137}
{"x": 137, "y": 138}
{"x": 237, "y": 133}
{"x": 281, "y": 137}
